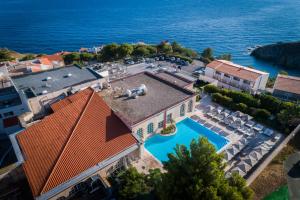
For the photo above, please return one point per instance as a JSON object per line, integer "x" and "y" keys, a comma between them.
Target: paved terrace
{"x": 161, "y": 94}
{"x": 34, "y": 84}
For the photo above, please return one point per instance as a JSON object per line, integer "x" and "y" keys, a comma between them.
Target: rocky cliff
{"x": 284, "y": 54}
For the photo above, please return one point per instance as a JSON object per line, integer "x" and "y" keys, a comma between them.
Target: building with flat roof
{"x": 11, "y": 104}
{"x": 83, "y": 138}
{"x": 176, "y": 79}
{"x": 47, "y": 87}
{"x": 147, "y": 102}
{"x": 229, "y": 75}
{"x": 287, "y": 87}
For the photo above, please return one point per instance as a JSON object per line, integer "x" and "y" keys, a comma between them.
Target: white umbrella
{"x": 243, "y": 141}
{"x": 244, "y": 166}
{"x": 238, "y": 114}
{"x": 233, "y": 150}
{"x": 255, "y": 155}
{"x": 250, "y": 161}
{"x": 228, "y": 156}
{"x": 239, "y": 171}
{"x": 246, "y": 117}
{"x": 261, "y": 150}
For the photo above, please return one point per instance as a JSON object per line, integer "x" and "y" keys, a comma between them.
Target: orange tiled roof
{"x": 45, "y": 61}
{"x": 81, "y": 132}
{"x": 287, "y": 83}
{"x": 53, "y": 57}
{"x": 230, "y": 68}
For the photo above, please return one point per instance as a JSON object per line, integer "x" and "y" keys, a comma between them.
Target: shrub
{"x": 223, "y": 100}
{"x": 270, "y": 103}
{"x": 261, "y": 114}
{"x": 170, "y": 129}
{"x": 211, "y": 89}
{"x": 241, "y": 97}
{"x": 241, "y": 107}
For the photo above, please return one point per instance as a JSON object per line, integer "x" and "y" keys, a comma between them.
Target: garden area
{"x": 271, "y": 111}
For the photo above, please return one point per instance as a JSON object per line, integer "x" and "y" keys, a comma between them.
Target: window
{"x": 236, "y": 79}
{"x": 169, "y": 118}
{"x": 140, "y": 132}
{"x": 190, "y": 106}
{"x": 160, "y": 124}
{"x": 246, "y": 82}
{"x": 150, "y": 128}
{"x": 218, "y": 73}
{"x": 7, "y": 114}
{"x": 182, "y": 110}
{"x": 226, "y": 75}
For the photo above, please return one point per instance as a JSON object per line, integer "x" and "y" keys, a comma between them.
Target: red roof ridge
{"x": 65, "y": 146}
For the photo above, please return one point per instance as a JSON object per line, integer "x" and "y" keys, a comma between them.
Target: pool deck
{"x": 148, "y": 161}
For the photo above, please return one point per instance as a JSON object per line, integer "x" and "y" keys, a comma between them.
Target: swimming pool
{"x": 187, "y": 130}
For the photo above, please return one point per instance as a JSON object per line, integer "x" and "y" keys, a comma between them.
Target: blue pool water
{"x": 228, "y": 26}
{"x": 187, "y": 130}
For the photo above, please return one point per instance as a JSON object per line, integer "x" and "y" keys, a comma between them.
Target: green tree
{"x": 109, "y": 52}
{"x": 290, "y": 116}
{"x": 125, "y": 50}
{"x": 141, "y": 51}
{"x": 261, "y": 114}
{"x": 5, "y": 55}
{"x": 87, "y": 56}
{"x": 28, "y": 57}
{"x": 271, "y": 82}
{"x": 270, "y": 103}
{"x": 72, "y": 57}
{"x": 224, "y": 57}
{"x": 198, "y": 173}
{"x": 208, "y": 54}
{"x": 282, "y": 72}
{"x": 152, "y": 50}
{"x": 164, "y": 48}
{"x": 211, "y": 89}
{"x": 132, "y": 184}
{"x": 241, "y": 107}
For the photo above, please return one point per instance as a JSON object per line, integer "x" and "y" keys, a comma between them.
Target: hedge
{"x": 211, "y": 89}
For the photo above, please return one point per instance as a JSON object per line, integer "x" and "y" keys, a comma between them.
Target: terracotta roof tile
{"x": 77, "y": 136}
{"x": 230, "y": 68}
{"x": 288, "y": 83}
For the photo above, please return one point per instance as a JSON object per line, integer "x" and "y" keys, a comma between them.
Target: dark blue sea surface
{"x": 228, "y": 26}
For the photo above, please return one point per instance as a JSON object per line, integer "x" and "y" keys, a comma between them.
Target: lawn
{"x": 280, "y": 194}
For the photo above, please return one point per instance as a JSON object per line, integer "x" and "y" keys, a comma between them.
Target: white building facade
{"x": 226, "y": 74}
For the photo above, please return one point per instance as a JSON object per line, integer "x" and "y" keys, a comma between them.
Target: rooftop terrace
{"x": 36, "y": 84}
{"x": 161, "y": 94}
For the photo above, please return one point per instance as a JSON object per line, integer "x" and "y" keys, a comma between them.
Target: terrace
{"x": 251, "y": 142}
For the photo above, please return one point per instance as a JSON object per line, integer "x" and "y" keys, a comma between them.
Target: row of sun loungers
{"x": 237, "y": 121}
{"x": 253, "y": 157}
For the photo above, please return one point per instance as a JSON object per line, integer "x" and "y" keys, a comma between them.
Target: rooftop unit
{"x": 134, "y": 93}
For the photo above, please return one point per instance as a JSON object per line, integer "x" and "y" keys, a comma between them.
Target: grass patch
{"x": 281, "y": 193}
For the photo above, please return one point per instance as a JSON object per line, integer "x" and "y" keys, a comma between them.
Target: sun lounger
{"x": 268, "y": 132}
{"x": 250, "y": 123}
{"x": 258, "y": 127}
